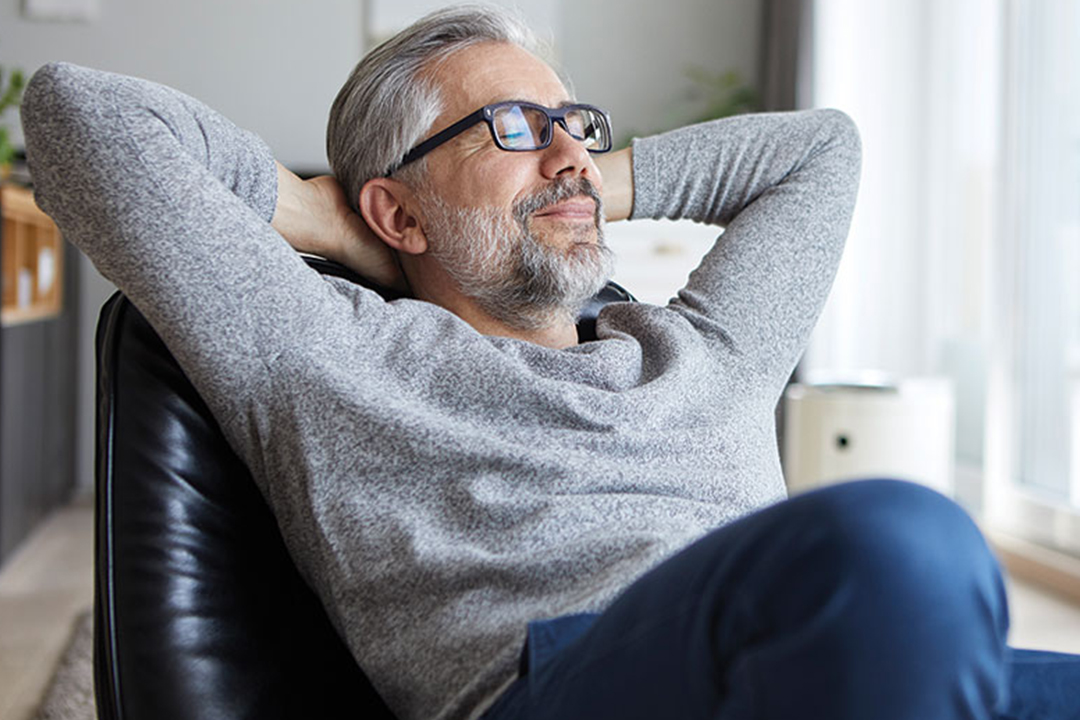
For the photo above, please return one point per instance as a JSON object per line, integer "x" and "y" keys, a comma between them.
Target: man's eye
{"x": 516, "y": 139}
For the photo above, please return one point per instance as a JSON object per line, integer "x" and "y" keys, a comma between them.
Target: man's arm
{"x": 618, "y": 173}
{"x": 173, "y": 203}
{"x": 783, "y": 185}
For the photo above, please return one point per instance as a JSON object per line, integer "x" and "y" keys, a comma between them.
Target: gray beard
{"x": 512, "y": 275}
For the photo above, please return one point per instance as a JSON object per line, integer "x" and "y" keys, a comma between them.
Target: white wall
{"x": 383, "y": 18}
{"x": 274, "y": 66}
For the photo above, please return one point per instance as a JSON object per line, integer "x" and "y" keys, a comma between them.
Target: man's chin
{"x": 568, "y": 236}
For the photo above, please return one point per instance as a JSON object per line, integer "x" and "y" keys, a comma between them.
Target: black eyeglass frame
{"x": 486, "y": 114}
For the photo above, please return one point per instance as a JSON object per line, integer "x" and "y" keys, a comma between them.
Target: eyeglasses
{"x": 518, "y": 126}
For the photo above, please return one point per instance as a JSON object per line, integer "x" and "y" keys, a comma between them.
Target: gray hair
{"x": 387, "y": 105}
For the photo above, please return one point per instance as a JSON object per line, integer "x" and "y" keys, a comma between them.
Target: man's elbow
{"x": 843, "y": 131}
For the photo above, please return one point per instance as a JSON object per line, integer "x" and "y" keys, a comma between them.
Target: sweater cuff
{"x": 260, "y": 189}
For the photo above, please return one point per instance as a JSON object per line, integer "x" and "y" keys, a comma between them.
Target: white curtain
{"x": 922, "y": 80}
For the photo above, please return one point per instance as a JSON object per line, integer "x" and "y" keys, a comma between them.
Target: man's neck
{"x": 558, "y": 335}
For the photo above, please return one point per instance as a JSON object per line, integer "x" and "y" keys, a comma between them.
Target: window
{"x": 1042, "y": 211}
{"x": 1038, "y": 494}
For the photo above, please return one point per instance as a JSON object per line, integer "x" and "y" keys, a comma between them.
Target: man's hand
{"x": 314, "y": 217}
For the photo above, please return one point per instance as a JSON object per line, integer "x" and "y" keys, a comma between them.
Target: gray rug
{"x": 71, "y": 691}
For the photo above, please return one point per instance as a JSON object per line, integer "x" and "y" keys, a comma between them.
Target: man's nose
{"x": 565, "y": 155}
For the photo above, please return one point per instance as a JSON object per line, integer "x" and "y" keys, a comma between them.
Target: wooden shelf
{"x": 33, "y": 259}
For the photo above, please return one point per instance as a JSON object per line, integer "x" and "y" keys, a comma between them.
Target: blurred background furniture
{"x": 835, "y": 432}
{"x": 33, "y": 259}
{"x": 38, "y": 372}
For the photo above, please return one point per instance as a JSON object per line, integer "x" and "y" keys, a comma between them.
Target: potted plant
{"x": 11, "y": 89}
{"x": 718, "y": 94}
{"x": 724, "y": 94}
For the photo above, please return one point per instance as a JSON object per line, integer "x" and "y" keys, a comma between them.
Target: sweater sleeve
{"x": 172, "y": 203}
{"x": 783, "y": 186}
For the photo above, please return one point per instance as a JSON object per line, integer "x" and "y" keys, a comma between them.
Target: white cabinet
{"x": 840, "y": 432}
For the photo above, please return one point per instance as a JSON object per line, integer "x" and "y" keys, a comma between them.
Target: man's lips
{"x": 571, "y": 209}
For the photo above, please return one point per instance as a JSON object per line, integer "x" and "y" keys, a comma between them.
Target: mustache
{"x": 557, "y": 191}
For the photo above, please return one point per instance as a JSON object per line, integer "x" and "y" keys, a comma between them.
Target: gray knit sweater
{"x": 437, "y": 487}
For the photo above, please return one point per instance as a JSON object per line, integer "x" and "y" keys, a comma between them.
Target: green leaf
{"x": 7, "y": 152}
{"x": 12, "y": 96}
{"x": 724, "y": 93}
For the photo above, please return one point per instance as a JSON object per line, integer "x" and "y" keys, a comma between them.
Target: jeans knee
{"x": 911, "y": 545}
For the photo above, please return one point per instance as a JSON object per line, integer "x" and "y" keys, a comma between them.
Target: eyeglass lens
{"x": 520, "y": 127}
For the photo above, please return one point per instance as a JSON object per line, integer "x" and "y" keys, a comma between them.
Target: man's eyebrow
{"x": 562, "y": 104}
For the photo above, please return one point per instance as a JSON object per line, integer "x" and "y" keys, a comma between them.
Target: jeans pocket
{"x": 547, "y": 638}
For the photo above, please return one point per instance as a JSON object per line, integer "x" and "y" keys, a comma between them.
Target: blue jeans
{"x": 874, "y": 600}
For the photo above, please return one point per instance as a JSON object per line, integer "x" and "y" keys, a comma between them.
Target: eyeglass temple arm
{"x": 440, "y": 137}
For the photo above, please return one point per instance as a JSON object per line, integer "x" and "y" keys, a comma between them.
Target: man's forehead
{"x": 494, "y": 72}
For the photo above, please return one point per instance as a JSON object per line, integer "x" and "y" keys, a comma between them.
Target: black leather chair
{"x": 199, "y": 612}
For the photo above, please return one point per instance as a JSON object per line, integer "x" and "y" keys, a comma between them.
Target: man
{"x": 501, "y": 521}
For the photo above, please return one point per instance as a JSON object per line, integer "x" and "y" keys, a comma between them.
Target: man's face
{"x": 525, "y": 220}
{"x": 511, "y": 274}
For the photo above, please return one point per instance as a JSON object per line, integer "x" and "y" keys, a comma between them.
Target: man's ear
{"x": 388, "y": 207}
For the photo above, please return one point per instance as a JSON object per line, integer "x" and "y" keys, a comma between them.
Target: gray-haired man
{"x": 498, "y": 518}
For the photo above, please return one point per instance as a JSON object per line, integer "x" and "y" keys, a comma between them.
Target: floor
{"x": 48, "y": 583}
{"x": 44, "y": 586}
